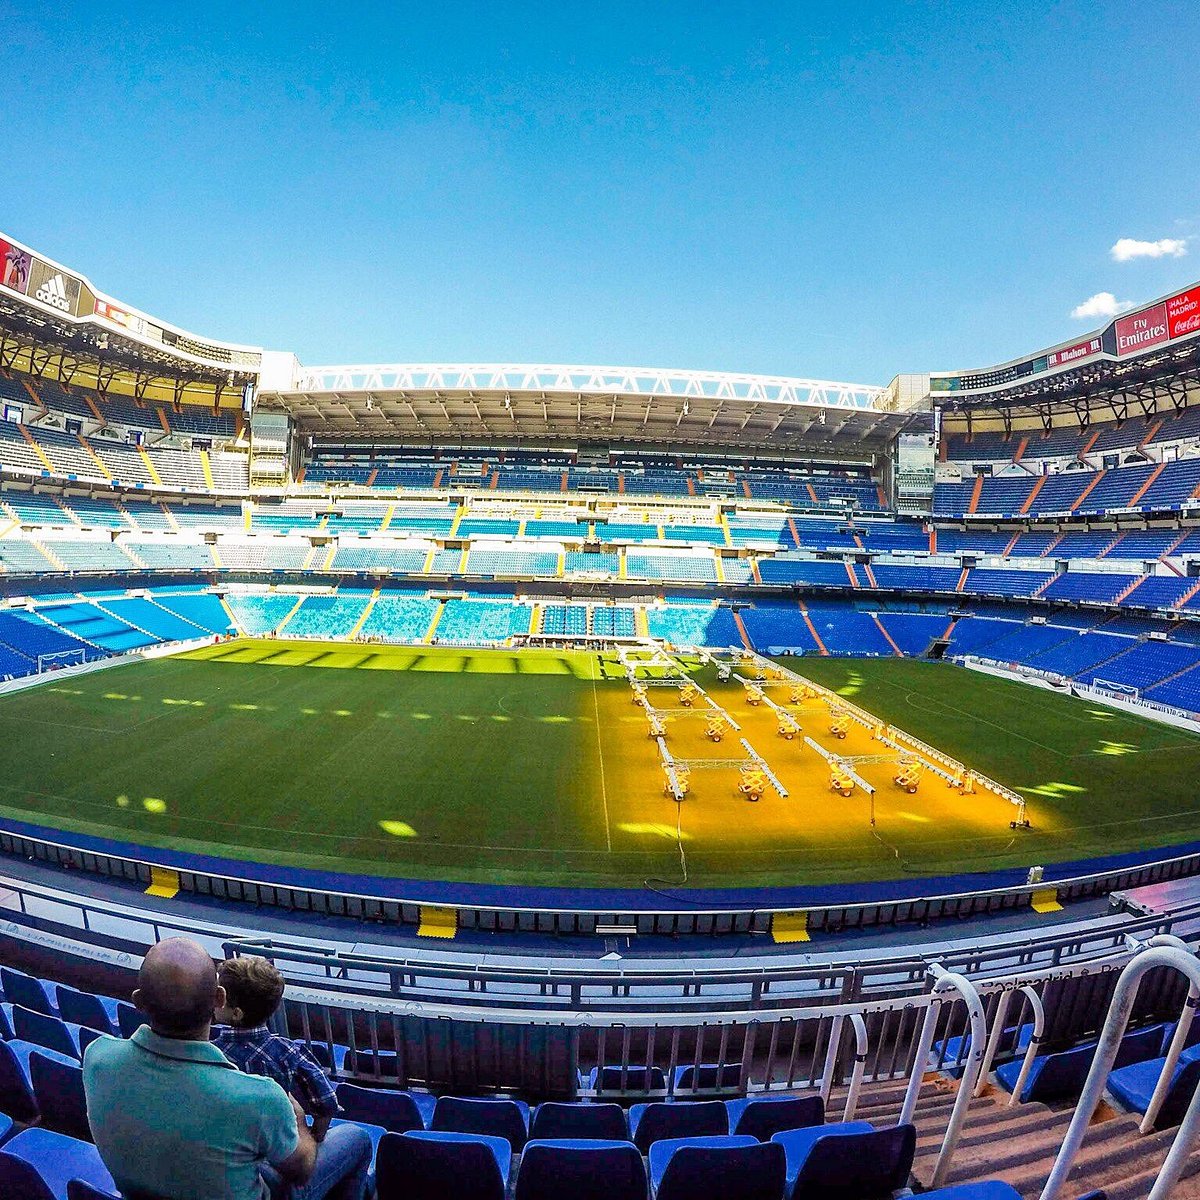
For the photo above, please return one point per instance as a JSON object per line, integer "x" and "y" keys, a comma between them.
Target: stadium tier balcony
{"x": 912, "y": 633}
{"x": 399, "y": 618}
{"x": 1144, "y": 664}
{"x": 327, "y": 616}
{"x": 257, "y": 615}
{"x": 613, "y": 620}
{"x": 1099, "y": 587}
{"x": 512, "y": 563}
{"x": 1159, "y": 592}
{"x": 19, "y": 557}
{"x": 792, "y": 570}
{"x": 679, "y": 567}
{"x": 984, "y": 581}
{"x": 480, "y": 622}
{"x": 89, "y": 556}
{"x": 564, "y": 620}
{"x": 915, "y": 579}
{"x": 589, "y": 562}
{"x": 172, "y": 555}
{"x": 379, "y": 558}
{"x": 189, "y": 516}
{"x": 848, "y": 631}
{"x": 97, "y": 513}
{"x": 32, "y": 509}
{"x": 264, "y": 555}
{"x": 694, "y": 625}
{"x": 777, "y": 628}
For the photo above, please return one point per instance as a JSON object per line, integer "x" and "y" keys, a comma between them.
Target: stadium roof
{"x": 436, "y": 402}
{"x": 1141, "y": 362}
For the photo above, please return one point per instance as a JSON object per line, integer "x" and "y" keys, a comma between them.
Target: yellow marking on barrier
{"x": 433, "y": 624}
{"x": 151, "y": 469}
{"x": 789, "y": 927}
{"x": 1045, "y": 901}
{"x": 291, "y": 613}
{"x": 94, "y": 457}
{"x": 163, "y": 882}
{"x": 437, "y": 922}
{"x": 247, "y": 514}
{"x": 366, "y": 612}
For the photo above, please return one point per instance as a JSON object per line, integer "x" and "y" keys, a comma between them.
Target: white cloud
{"x": 1127, "y": 249}
{"x": 1100, "y": 306}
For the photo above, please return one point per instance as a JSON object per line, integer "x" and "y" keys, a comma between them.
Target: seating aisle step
{"x": 1106, "y": 1158}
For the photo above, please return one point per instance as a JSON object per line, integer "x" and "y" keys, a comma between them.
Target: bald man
{"x": 174, "y": 1119}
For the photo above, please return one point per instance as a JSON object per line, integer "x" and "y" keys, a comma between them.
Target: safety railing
{"x": 1175, "y": 956}
{"x": 136, "y": 865}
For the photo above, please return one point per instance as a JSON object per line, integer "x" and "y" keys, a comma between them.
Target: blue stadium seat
{"x": 663, "y": 1151}
{"x": 51, "y": 1032}
{"x": 708, "y": 1077}
{"x": 558, "y": 1168}
{"x": 797, "y": 1143}
{"x": 625, "y": 1080}
{"x": 1060, "y": 1076}
{"x": 84, "y": 1008}
{"x": 1134, "y": 1085}
{"x": 600, "y": 1122}
{"x": 58, "y": 1090}
{"x": 851, "y": 1164}
{"x": 726, "y": 1169}
{"x": 79, "y": 1189}
{"x": 397, "y": 1112}
{"x": 508, "y": 1119}
{"x": 129, "y": 1020}
{"x": 29, "y": 992}
{"x": 38, "y": 1165}
{"x": 764, "y": 1116}
{"x": 660, "y": 1120}
{"x": 433, "y": 1166}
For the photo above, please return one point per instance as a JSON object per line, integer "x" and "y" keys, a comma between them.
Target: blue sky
{"x": 837, "y": 190}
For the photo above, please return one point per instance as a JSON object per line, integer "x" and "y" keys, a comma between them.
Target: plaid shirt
{"x": 258, "y": 1051}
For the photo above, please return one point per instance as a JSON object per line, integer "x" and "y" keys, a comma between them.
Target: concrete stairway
{"x": 1019, "y": 1144}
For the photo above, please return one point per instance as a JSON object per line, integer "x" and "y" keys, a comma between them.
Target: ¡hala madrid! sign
{"x": 1176, "y": 317}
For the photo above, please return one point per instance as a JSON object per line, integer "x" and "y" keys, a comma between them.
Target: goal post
{"x": 1125, "y": 691}
{"x": 59, "y": 659}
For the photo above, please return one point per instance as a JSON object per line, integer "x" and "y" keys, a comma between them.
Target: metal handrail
{"x": 1039, "y": 1029}
{"x": 1119, "y": 1012}
{"x": 946, "y": 982}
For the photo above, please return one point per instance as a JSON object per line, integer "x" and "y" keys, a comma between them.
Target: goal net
{"x": 60, "y": 659}
{"x": 1125, "y": 690}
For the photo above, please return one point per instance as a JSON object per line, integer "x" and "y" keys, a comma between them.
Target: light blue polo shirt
{"x": 175, "y": 1118}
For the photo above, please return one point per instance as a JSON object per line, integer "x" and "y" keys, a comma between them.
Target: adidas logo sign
{"x": 54, "y": 293}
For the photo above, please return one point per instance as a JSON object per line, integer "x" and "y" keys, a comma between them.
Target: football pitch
{"x": 534, "y": 767}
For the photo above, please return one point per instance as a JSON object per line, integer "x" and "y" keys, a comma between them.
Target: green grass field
{"x": 533, "y": 767}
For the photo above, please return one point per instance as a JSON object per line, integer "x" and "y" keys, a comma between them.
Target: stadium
{"x": 576, "y": 734}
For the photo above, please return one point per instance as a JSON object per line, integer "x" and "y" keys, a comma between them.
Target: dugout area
{"x": 536, "y": 767}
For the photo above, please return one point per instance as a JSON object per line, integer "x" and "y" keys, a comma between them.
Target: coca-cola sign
{"x": 1183, "y": 313}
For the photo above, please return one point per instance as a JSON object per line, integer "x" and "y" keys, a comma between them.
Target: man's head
{"x": 178, "y": 990}
{"x": 253, "y": 989}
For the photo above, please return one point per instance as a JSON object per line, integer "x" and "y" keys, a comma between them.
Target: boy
{"x": 253, "y": 989}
